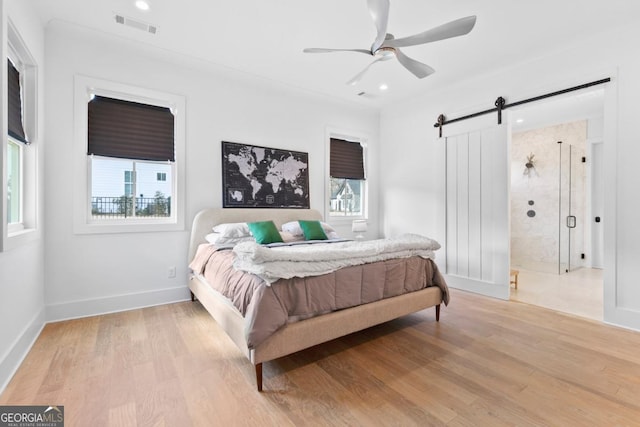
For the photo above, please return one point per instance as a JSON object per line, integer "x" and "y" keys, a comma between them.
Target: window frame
{"x": 351, "y": 136}
{"x": 27, "y": 230}
{"x": 85, "y": 88}
{"x": 16, "y": 227}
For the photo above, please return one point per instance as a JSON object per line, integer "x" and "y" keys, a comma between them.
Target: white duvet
{"x": 285, "y": 262}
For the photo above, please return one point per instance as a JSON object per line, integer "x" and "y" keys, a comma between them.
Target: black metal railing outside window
{"x": 128, "y": 206}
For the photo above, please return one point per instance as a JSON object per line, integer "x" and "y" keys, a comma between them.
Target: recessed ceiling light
{"x": 383, "y": 86}
{"x": 519, "y": 120}
{"x": 142, "y": 5}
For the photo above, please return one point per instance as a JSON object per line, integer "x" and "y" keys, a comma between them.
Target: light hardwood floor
{"x": 486, "y": 363}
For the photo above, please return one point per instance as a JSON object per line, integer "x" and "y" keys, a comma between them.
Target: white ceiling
{"x": 266, "y": 38}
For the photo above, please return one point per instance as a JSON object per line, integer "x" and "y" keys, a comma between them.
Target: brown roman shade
{"x": 130, "y": 130}
{"x": 16, "y": 128}
{"x": 346, "y": 159}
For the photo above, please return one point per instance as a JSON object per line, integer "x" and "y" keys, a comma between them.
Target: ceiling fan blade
{"x": 379, "y": 10}
{"x": 358, "y": 76}
{"x": 324, "y": 50}
{"x": 456, "y": 28}
{"x": 418, "y": 69}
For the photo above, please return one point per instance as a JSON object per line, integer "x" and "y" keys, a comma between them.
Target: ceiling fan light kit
{"x": 385, "y": 53}
{"x": 386, "y": 46}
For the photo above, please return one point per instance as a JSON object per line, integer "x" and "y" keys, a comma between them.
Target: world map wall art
{"x": 262, "y": 177}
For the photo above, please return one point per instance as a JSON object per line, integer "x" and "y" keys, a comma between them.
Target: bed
{"x": 306, "y": 332}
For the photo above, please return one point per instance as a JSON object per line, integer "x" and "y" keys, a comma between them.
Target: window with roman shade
{"x": 346, "y": 160}
{"x": 347, "y": 185}
{"x": 130, "y": 130}
{"x": 14, "y": 91}
{"x": 15, "y": 149}
{"x": 20, "y": 168}
{"x": 126, "y": 136}
{"x": 129, "y": 144}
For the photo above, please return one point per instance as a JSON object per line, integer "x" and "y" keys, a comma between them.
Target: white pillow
{"x": 232, "y": 229}
{"x": 288, "y": 237}
{"x": 332, "y": 235}
{"x": 294, "y": 228}
{"x": 220, "y": 239}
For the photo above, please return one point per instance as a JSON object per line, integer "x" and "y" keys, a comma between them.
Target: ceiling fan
{"x": 386, "y": 47}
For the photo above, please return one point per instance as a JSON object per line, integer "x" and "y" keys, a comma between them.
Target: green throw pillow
{"x": 264, "y": 232}
{"x": 312, "y": 230}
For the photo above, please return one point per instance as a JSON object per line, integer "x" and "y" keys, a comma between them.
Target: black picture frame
{"x": 254, "y": 176}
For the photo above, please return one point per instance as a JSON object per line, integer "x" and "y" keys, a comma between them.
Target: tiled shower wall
{"x": 535, "y": 196}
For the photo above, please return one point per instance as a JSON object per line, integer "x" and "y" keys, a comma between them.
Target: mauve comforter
{"x": 266, "y": 307}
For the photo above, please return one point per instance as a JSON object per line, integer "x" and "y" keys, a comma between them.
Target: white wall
{"x": 415, "y": 172}
{"x": 22, "y": 268}
{"x": 90, "y": 274}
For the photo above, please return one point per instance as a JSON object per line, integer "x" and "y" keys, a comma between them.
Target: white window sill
{"x": 20, "y": 231}
{"x": 131, "y": 227}
{"x": 15, "y": 228}
{"x": 21, "y": 237}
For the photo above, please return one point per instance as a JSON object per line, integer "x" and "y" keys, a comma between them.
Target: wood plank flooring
{"x": 486, "y": 363}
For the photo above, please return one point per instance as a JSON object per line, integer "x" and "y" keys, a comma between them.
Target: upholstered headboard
{"x": 205, "y": 220}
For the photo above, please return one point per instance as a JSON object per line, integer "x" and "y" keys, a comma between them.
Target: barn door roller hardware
{"x": 501, "y": 104}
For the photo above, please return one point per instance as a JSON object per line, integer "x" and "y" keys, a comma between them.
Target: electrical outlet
{"x": 171, "y": 273}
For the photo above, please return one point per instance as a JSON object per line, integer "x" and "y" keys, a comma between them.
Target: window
{"x": 14, "y": 183}
{"x": 129, "y": 140}
{"x": 132, "y": 143}
{"x": 128, "y": 182}
{"x": 15, "y": 141}
{"x": 113, "y": 197}
{"x": 20, "y": 175}
{"x": 347, "y": 179}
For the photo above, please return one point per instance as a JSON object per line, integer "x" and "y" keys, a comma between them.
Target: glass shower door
{"x": 571, "y": 212}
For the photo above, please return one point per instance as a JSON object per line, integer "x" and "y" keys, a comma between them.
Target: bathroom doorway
{"x": 555, "y": 229}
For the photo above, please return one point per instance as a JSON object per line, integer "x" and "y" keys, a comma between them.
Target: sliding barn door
{"x": 476, "y": 203}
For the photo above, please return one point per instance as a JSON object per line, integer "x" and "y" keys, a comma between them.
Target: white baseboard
{"x": 12, "y": 359}
{"x": 477, "y": 287}
{"x": 622, "y": 317}
{"x": 113, "y": 304}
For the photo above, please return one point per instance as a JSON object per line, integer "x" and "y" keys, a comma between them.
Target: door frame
{"x": 590, "y": 248}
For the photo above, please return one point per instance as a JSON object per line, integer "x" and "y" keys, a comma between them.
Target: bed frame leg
{"x": 193, "y": 297}
{"x": 438, "y": 313}
{"x": 259, "y": 376}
